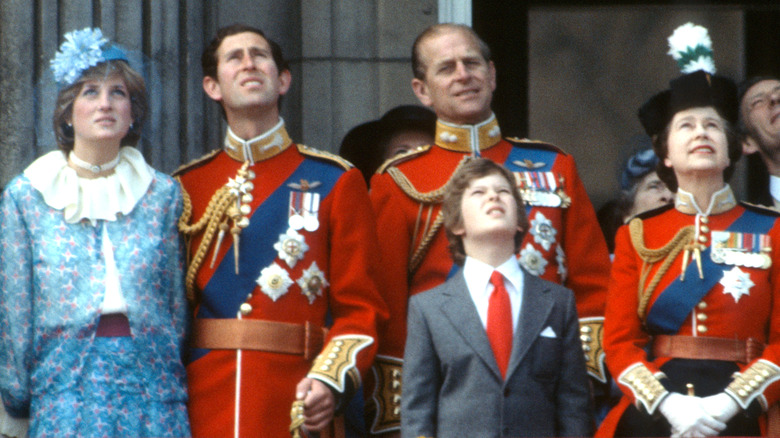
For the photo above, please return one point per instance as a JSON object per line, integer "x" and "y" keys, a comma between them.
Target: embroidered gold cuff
{"x": 646, "y": 387}
{"x": 387, "y": 394}
{"x": 336, "y": 364}
{"x": 751, "y": 384}
{"x": 592, "y": 335}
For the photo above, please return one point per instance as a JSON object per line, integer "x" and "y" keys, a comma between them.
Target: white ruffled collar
{"x": 92, "y": 199}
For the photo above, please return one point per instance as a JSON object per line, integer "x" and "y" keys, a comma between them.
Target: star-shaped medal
{"x": 291, "y": 247}
{"x": 737, "y": 283}
{"x": 274, "y": 281}
{"x": 543, "y": 231}
{"x": 532, "y": 260}
{"x": 313, "y": 282}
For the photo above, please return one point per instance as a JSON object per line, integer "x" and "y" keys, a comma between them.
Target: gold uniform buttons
{"x": 245, "y": 309}
{"x": 702, "y": 305}
{"x": 701, "y": 317}
{"x": 703, "y": 239}
{"x": 704, "y": 219}
{"x": 701, "y": 329}
{"x": 705, "y": 229}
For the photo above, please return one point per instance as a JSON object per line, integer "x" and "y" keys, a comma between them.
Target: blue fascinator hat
{"x": 639, "y": 165}
{"x": 81, "y": 50}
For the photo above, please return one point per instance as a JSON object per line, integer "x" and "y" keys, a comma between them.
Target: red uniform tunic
{"x": 565, "y": 244}
{"x": 321, "y": 275}
{"x": 735, "y": 299}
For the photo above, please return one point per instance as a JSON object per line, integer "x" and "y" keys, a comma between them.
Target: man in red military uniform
{"x": 281, "y": 245}
{"x": 454, "y": 75}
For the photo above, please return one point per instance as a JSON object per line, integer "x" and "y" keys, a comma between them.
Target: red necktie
{"x": 499, "y": 322}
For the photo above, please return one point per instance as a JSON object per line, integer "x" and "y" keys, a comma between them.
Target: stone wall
{"x": 349, "y": 59}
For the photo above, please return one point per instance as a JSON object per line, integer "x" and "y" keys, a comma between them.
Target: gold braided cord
{"x": 432, "y": 197}
{"x": 650, "y": 256}
{"x": 419, "y": 253}
{"x": 416, "y": 229}
{"x": 212, "y": 216}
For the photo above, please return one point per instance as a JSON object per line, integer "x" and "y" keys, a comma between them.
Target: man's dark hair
{"x": 209, "y": 61}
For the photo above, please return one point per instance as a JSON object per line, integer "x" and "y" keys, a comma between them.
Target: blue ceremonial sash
{"x": 519, "y": 153}
{"x": 677, "y": 301}
{"x": 226, "y": 291}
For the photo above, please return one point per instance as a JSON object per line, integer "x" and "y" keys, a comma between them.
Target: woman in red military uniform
{"x": 692, "y": 318}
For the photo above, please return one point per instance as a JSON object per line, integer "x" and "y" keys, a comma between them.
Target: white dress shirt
{"x": 477, "y": 276}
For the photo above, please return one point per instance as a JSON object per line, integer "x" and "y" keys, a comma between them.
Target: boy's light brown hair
{"x": 475, "y": 168}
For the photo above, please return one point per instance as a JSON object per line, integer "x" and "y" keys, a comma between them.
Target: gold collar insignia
{"x": 260, "y": 148}
{"x": 468, "y": 138}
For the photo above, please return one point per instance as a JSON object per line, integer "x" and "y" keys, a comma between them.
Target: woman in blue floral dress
{"x": 92, "y": 306}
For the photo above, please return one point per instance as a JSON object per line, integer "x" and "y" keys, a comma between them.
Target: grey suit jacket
{"x": 451, "y": 383}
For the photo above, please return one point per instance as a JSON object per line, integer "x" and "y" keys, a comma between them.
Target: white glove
{"x": 720, "y": 406}
{"x": 687, "y": 417}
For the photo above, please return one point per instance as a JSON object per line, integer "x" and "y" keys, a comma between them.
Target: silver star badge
{"x": 737, "y": 283}
{"x": 313, "y": 282}
{"x": 291, "y": 247}
{"x": 274, "y": 281}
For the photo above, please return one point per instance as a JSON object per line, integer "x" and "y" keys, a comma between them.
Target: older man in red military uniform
{"x": 454, "y": 76}
{"x": 282, "y": 245}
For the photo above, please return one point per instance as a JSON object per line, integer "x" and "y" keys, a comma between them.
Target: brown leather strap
{"x": 253, "y": 334}
{"x": 707, "y": 348}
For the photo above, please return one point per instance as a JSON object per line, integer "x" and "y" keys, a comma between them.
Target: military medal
{"x": 543, "y": 231}
{"x": 532, "y": 260}
{"x": 560, "y": 258}
{"x": 295, "y": 219}
{"x": 274, "y": 281}
{"x": 737, "y": 283}
{"x": 291, "y": 247}
{"x": 304, "y": 205}
{"x": 312, "y": 282}
{"x": 311, "y": 205}
{"x": 741, "y": 249}
{"x": 541, "y": 189}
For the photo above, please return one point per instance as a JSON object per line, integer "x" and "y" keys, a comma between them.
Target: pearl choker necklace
{"x": 94, "y": 168}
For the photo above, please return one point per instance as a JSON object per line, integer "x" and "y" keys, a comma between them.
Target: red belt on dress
{"x": 707, "y": 348}
{"x": 254, "y": 334}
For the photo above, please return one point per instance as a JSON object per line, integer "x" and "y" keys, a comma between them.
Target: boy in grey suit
{"x": 485, "y": 360}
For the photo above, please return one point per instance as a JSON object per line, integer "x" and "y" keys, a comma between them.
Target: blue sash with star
{"x": 677, "y": 301}
{"x": 226, "y": 291}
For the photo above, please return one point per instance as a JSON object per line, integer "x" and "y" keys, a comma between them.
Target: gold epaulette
{"x": 336, "y": 365}
{"x": 196, "y": 162}
{"x": 749, "y": 385}
{"x": 313, "y": 152}
{"x": 592, "y": 335}
{"x": 537, "y": 144}
{"x": 385, "y": 403}
{"x": 400, "y": 158}
{"x": 648, "y": 390}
